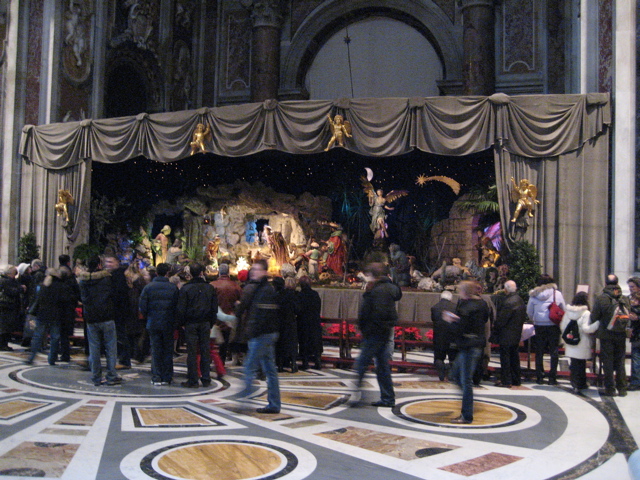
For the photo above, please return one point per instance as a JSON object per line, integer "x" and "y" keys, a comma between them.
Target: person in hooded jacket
{"x": 547, "y": 333}
{"x": 578, "y": 310}
{"x": 96, "y": 292}
{"x": 613, "y": 338}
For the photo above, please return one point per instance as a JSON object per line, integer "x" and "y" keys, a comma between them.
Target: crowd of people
{"x": 463, "y": 330}
{"x": 133, "y": 313}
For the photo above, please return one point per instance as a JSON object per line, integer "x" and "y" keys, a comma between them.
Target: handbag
{"x": 555, "y": 312}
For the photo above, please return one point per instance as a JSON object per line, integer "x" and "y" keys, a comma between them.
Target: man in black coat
{"x": 376, "y": 320}
{"x": 122, "y": 309}
{"x": 442, "y": 334}
{"x": 197, "y": 310}
{"x": 612, "y": 335}
{"x": 507, "y": 329}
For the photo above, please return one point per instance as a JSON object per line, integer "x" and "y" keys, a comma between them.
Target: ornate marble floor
{"x": 55, "y": 424}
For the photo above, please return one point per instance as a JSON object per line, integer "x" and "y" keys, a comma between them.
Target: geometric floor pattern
{"x": 55, "y": 424}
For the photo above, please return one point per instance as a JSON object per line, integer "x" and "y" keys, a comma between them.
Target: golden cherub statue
{"x": 524, "y": 195}
{"x": 339, "y": 129}
{"x": 200, "y": 135}
{"x": 64, "y": 200}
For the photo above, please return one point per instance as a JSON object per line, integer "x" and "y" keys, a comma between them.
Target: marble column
{"x": 265, "y": 48}
{"x": 624, "y": 135}
{"x": 479, "y": 69}
{"x": 13, "y": 114}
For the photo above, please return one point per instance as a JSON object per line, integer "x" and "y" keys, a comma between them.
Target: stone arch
{"x": 324, "y": 21}
{"x": 143, "y": 79}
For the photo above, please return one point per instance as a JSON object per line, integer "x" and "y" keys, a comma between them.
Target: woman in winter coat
{"x": 287, "y": 344}
{"x": 547, "y": 337}
{"x": 10, "y": 305}
{"x": 309, "y": 325}
{"x": 578, "y": 310}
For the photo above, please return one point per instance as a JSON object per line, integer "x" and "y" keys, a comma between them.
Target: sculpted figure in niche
{"x": 161, "y": 244}
{"x": 339, "y": 129}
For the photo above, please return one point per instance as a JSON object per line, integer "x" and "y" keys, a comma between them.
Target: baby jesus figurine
{"x": 339, "y": 129}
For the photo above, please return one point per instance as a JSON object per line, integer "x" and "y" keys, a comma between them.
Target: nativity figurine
{"x": 339, "y": 129}
{"x": 378, "y": 203}
{"x": 524, "y": 195}
{"x": 201, "y": 134}
{"x": 161, "y": 245}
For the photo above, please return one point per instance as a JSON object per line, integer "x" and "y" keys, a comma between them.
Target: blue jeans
{"x": 635, "y": 367}
{"x": 196, "y": 336}
{"x": 161, "y": 354}
{"x": 262, "y": 352}
{"x": 462, "y": 374}
{"x": 102, "y": 333}
{"x": 39, "y": 334}
{"x": 377, "y": 347}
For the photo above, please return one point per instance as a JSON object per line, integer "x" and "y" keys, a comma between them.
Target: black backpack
{"x": 571, "y": 334}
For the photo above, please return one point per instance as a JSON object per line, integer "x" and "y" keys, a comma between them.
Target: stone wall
{"x": 453, "y": 237}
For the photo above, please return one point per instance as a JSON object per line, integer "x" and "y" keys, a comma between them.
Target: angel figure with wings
{"x": 378, "y": 203}
{"x": 62, "y": 207}
{"x": 339, "y": 129}
{"x": 524, "y": 196}
{"x": 200, "y": 135}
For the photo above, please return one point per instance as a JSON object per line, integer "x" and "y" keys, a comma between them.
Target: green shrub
{"x": 524, "y": 267}
{"x": 28, "y": 249}
{"x": 85, "y": 251}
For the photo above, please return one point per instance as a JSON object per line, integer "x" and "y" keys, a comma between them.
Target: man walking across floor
{"x": 376, "y": 320}
{"x": 197, "y": 310}
{"x": 158, "y": 302}
{"x": 259, "y": 303}
{"x": 611, "y": 309}
{"x": 99, "y": 315}
{"x": 510, "y": 317}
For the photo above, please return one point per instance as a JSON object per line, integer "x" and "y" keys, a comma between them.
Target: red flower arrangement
{"x": 410, "y": 333}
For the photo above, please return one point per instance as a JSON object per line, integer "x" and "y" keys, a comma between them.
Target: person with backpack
{"x": 610, "y": 309}
{"x": 577, "y": 336}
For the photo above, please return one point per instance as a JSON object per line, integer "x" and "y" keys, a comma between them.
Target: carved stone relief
{"x": 238, "y": 58}
{"x": 181, "y": 98}
{"x": 77, "y": 56}
{"x": 141, "y": 24}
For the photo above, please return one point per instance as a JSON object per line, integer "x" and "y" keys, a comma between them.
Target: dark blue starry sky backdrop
{"x": 335, "y": 174}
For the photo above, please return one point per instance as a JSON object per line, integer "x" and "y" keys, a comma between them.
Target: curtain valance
{"x": 529, "y": 125}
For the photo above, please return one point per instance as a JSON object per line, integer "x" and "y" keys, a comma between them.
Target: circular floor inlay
{"x": 442, "y": 411}
{"x": 222, "y": 461}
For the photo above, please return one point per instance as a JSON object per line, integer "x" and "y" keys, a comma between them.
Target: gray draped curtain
{"x": 559, "y": 142}
{"x": 37, "y": 212}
